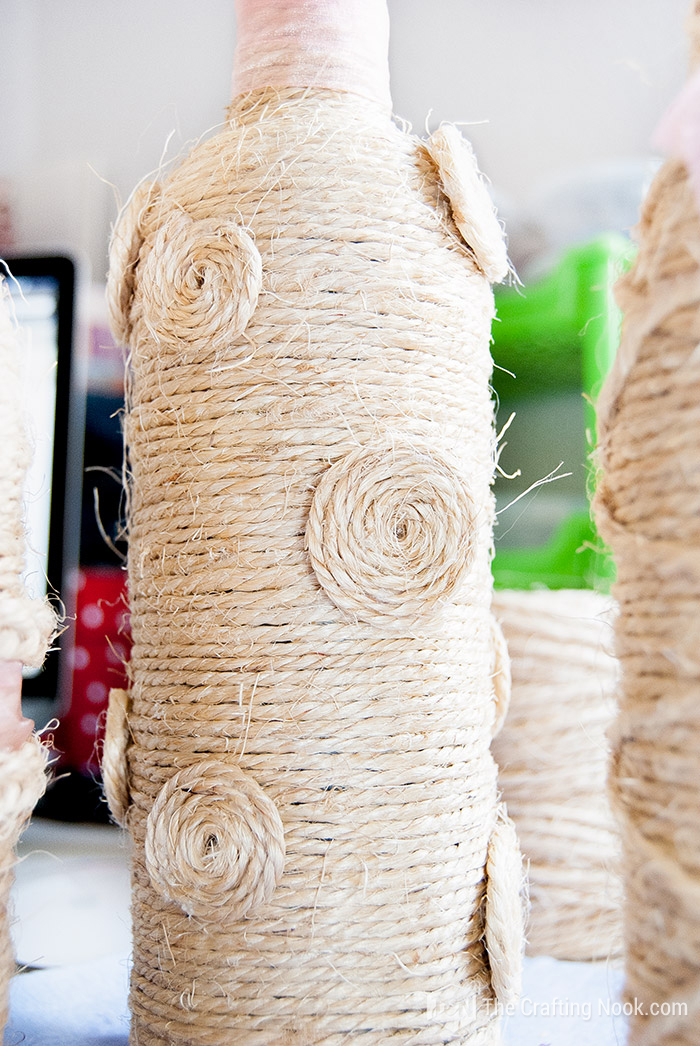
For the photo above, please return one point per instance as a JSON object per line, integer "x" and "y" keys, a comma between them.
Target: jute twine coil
{"x": 553, "y": 759}
{"x": 648, "y": 509}
{"x": 26, "y": 624}
{"x": 278, "y": 473}
{"x": 22, "y": 783}
{"x": 113, "y": 763}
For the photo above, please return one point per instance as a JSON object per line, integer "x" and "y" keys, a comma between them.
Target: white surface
{"x": 82, "y": 1005}
{"x": 91, "y": 91}
{"x": 71, "y": 897}
{"x": 72, "y": 893}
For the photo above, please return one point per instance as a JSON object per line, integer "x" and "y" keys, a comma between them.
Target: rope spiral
{"x": 472, "y": 209}
{"x": 128, "y": 235}
{"x": 114, "y": 765}
{"x": 505, "y": 911}
{"x": 214, "y": 842}
{"x": 390, "y": 533}
{"x": 199, "y": 284}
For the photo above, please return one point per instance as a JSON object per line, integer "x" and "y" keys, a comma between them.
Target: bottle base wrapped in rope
{"x": 309, "y": 576}
{"x": 553, "y": 759}
{"x": 22, "y": 783}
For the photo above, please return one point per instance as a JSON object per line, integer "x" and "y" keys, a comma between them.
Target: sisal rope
{"x": 648, "y": 509}
{"x": 22, "y": 783}
{"x": 310, "y": 442}
{"x": 553, "y": 755}
{"x": 26, "y": 624}
{"x": 26, "y": 628}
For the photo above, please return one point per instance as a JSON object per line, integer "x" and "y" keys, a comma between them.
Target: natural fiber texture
{"x": 390, "y": 533}
{"x": 124, "y": 255}
{"x": 22, "y": 783}
{"x": 505, "y": 911}
{"x": 552, "y": 754}
{"x": 214, "y": 842}
{"x": 113, "y": 763}
{"x": 26, "y": 624}
{"x": 648, "y": 509}
{"x": 471, "y": 205}
{"x": 278, "y": 473}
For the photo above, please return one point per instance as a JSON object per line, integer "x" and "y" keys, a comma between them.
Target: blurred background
{"x": 96, "y": 93}
{"x": 559, "y": 100}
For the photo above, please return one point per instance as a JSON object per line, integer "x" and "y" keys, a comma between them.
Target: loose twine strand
{"x": 275, "y": 684}
{"x": 553, "y": 758}
{"x": 648, "y": 509}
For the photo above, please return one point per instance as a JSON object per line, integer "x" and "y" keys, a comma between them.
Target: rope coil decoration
{"x": 553, "y": 756}
{"x": 126, "y": 243}
{"x": 277, "y": 477}
{"x": 389, "y": 533}
{"x": 470, "y": 203}
{"x": 113, "y": 765}
{"x": 214, "y": 842}
{"x": 199, "y": 284}
{"x": 505, "y": 911}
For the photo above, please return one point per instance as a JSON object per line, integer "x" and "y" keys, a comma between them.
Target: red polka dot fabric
{"x": 101, "y": 651}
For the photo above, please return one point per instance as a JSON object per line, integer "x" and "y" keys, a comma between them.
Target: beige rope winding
{"x": 22, "y": 783}
{"x": 26, "y": 625}
{"x": 26, "y": 628}
{"x": 553, "y": 758}
{"x": 280, "y": 471}
{"x": 648, "y": 509}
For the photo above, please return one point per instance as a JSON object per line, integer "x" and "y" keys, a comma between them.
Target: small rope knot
{"x": 214, "y": 842}
{"x": 200, "y": 283}
{"x": 390, "y": 533}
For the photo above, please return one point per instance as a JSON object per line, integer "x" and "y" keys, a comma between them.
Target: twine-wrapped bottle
{"x": 647, "y": 508}
{"x": 303, "y": 757}
{"x": 553, "y": 754}
{"x": 26, "y": 628}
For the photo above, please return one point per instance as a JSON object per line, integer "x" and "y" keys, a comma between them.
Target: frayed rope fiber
{"x": 310, "y": 441}
{"x": 648, "y": 510}
{"x": 22, "y": 783}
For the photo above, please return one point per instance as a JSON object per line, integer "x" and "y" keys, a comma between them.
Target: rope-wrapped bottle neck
{"x": 338, "y": 44}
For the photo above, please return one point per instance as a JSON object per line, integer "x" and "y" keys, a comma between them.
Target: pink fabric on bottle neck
{"x": 678, "y": 133}
{"x": 339, "y": 44}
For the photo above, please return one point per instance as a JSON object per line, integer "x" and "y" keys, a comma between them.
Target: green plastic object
{"x": 554, "y": 342}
